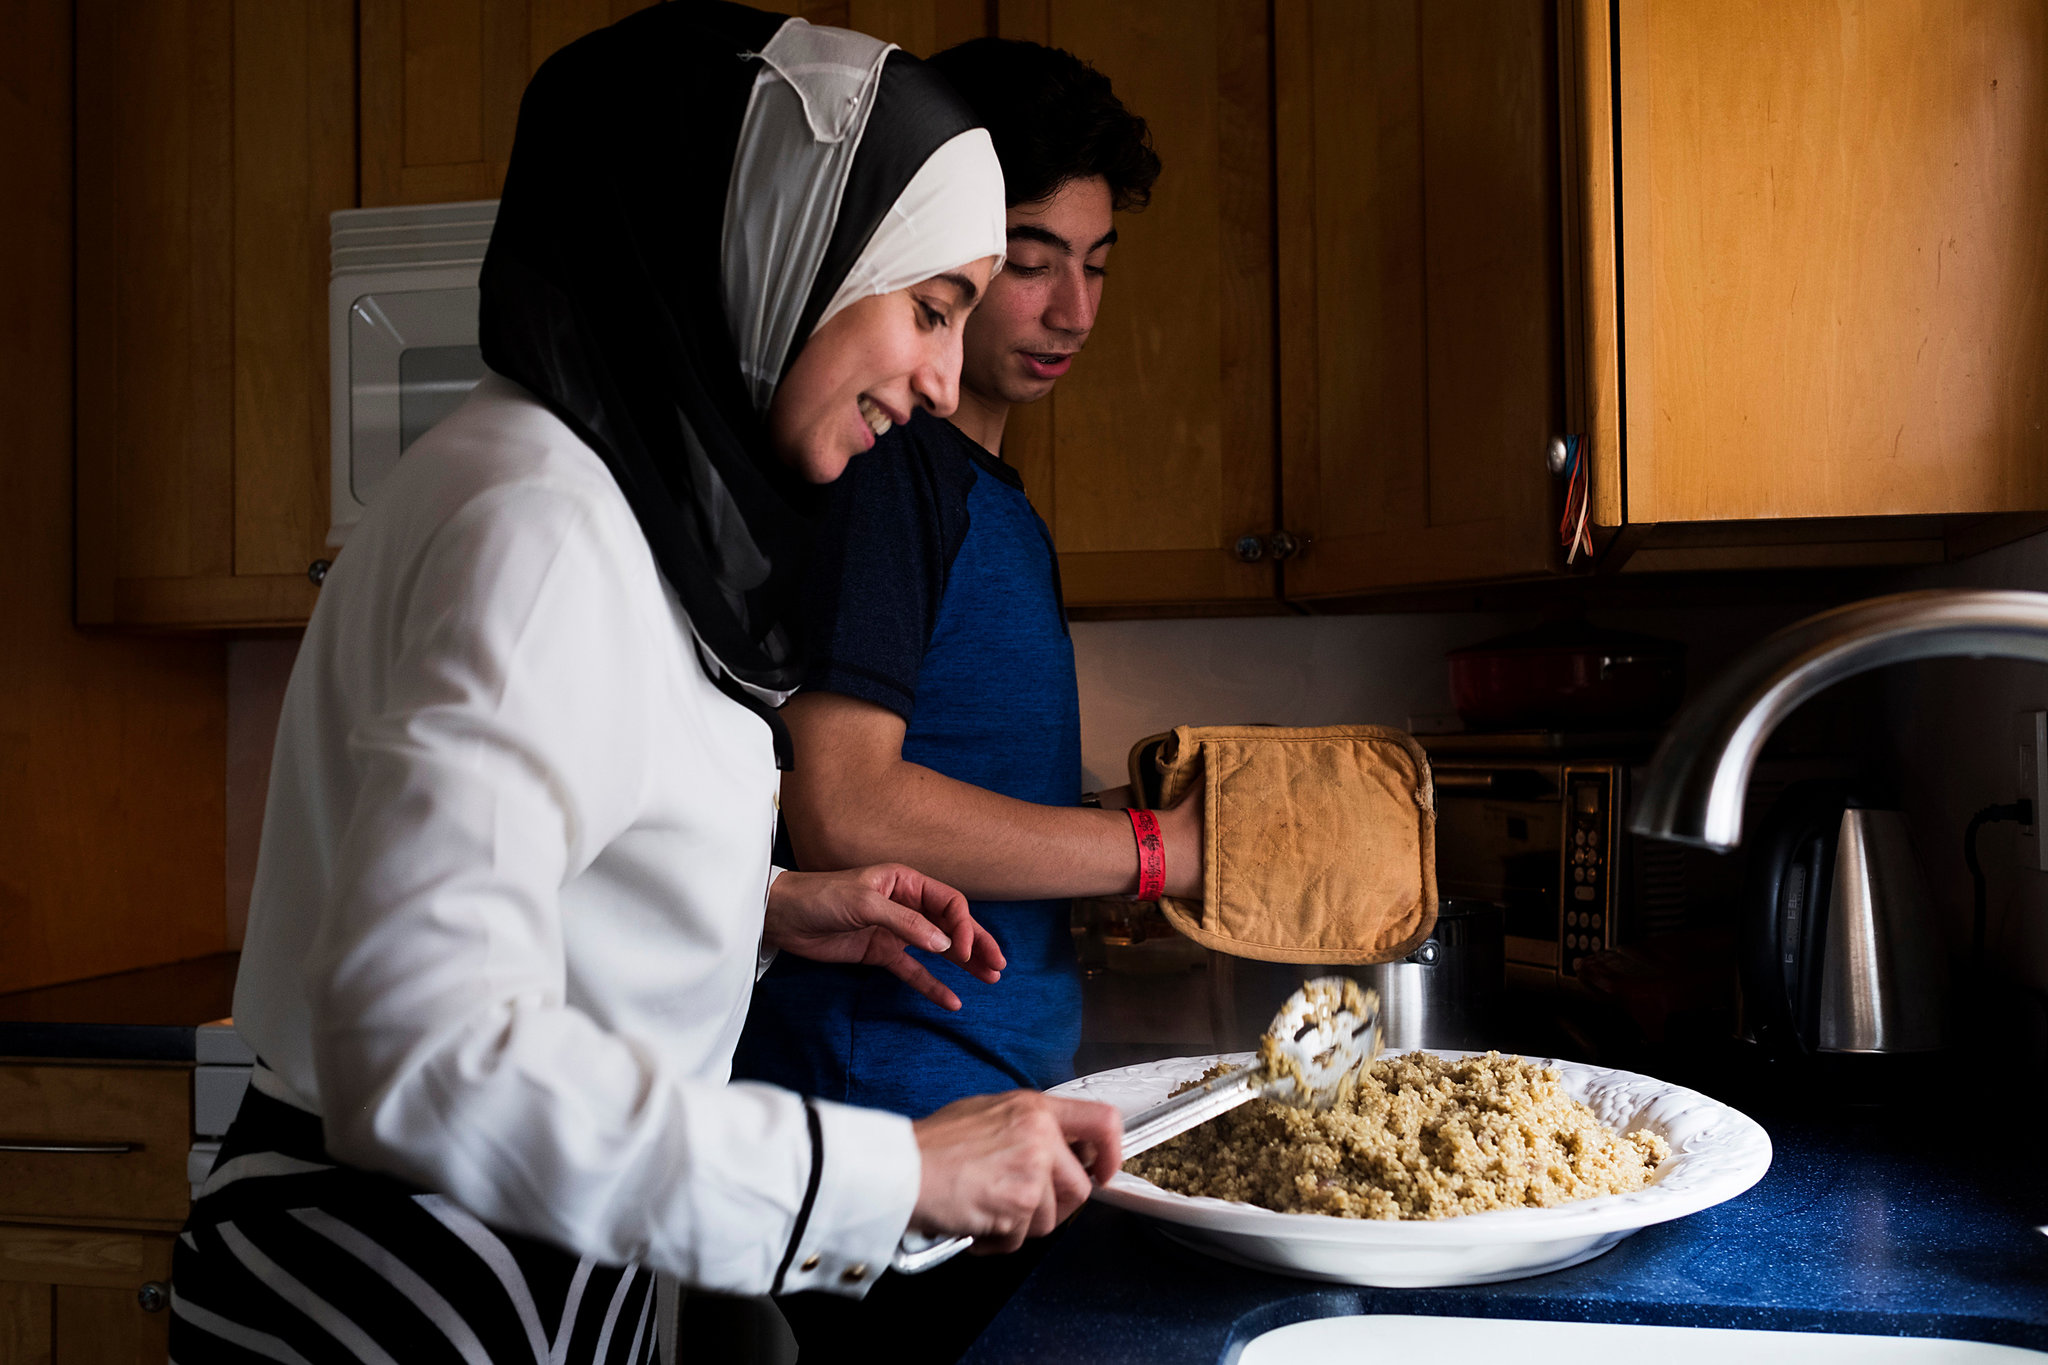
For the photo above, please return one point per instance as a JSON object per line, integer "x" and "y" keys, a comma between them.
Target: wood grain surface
{"x": 1420, "y": 336}
{"x": 1835, "y": 218}
{"x": 69, "y": 1297}
{"x": 148, "y": 1106}
{"x": 214, "y": 138}
{"x": 1156, "y": 453}
{"x": 111, "y": 748}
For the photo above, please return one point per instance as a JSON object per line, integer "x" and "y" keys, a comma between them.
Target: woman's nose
{"x": 937, "y": 382}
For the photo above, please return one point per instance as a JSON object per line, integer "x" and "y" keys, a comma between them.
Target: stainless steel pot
{"x": 1444, "y": 994}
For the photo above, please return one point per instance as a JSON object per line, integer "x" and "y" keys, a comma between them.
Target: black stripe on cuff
{"x": 803, "y": 1213}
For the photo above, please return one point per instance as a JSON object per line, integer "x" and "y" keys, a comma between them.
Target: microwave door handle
{"x": 1462, "y": 781}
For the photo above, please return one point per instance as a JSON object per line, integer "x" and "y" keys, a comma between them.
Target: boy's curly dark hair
{"x": 1053, "y": 118}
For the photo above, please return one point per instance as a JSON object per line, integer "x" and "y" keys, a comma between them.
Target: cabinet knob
{"x": 1251, "y": 549}
{"x": 1285, "y": 544}
{"x": 316, "y": 572}
{"x": 1556, "y": 455}
{"x": 153, "y": 1297}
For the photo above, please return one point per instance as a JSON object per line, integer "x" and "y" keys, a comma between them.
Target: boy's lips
{"x": 1047, "y": 364}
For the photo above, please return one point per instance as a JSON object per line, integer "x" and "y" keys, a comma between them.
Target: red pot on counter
{"x": 1568, "y": 676}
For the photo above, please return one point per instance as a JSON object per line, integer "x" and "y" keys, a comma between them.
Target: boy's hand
{"x": 1182, "y": 830}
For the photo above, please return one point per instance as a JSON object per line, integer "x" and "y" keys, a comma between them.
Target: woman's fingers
{"x": 972, "y": 946}
{"x": 1070, "y": 1186}
{"x": 873, "y": 908}
{"x": 987, "y": 960}
{"x": 1097, "y": 1128}
{"x": 902, "y": 964}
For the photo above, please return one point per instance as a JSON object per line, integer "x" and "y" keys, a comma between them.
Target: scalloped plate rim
{"x": 1742, "y": 1143}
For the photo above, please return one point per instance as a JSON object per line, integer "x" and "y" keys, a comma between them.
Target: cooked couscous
{"x": 1417, "y": 1137}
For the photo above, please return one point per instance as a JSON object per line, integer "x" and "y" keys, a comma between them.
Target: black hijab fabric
{"x": 601, "y": 295}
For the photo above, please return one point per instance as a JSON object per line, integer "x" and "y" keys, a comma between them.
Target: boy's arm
{"x": 853, "y": 800}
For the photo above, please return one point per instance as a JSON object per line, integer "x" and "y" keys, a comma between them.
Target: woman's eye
{"x": 932, "y": 316}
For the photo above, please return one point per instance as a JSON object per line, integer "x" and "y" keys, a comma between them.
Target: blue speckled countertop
{"x": 1863, "y": 1224}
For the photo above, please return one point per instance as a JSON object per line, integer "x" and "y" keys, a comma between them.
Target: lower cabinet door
{"x": 72, "y": 1296}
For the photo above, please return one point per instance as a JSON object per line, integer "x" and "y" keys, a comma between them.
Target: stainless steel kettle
{"x": 1839, "y": 948}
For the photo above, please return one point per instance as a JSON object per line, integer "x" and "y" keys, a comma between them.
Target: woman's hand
{"x": 1000, "y": 1168}
{"x": 871, "y": 915}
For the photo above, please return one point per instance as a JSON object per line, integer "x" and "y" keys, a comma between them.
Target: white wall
{"x": 1140, "y": 677}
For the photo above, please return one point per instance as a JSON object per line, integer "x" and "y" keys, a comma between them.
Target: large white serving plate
{"x": 1716, "y": 1153}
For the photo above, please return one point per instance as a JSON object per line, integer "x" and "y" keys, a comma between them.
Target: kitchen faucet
{"x": 1701, "y": 770}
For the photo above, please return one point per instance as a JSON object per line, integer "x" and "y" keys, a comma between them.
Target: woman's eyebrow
{"x": 968, "y": 289}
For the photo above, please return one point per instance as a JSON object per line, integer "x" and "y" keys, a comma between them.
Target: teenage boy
{"x": 941, "y": 726}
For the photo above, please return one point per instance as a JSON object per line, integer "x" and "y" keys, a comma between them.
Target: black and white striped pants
{"x": 290, "y": 1257}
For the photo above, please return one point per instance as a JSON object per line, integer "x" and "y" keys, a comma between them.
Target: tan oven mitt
{"x": 1321, "y": 843}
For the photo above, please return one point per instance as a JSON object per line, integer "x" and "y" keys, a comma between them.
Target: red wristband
{"x": 1151, "y": 854}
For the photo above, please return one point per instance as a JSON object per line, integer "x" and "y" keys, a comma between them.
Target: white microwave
{"x": 401, "y": 336}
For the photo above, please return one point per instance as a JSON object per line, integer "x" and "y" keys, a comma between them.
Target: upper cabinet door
{"x": 214, "y": 137}
{"x": 1834, "y": 221}
{"x": 1420, "y": 290}
{"x": 1154, "y": 456}
{"x": 441, "y": 85}
{"x": 442, "y": 79}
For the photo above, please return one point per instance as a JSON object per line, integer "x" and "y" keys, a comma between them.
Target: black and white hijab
{"x": 692, "y": 192}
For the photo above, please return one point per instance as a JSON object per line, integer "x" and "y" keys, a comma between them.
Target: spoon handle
{"x": 1190, "y": 1108}
{"x": 1142, "y": 1132}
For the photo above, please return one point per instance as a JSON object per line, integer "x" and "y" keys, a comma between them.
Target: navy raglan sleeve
{"x": 894, "y": 521}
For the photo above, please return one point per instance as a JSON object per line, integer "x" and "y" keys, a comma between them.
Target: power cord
{"x": 2021, "y": 811}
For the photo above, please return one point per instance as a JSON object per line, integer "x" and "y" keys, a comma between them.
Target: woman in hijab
{"x": 514, "y": 887}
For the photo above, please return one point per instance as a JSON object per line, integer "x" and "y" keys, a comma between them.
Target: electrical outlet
{"x": 2032, "y": 727}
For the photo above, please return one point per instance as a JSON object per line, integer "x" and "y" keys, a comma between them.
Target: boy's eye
{"x": 1027, "y": 271}
{"x": 1098, "y": 271}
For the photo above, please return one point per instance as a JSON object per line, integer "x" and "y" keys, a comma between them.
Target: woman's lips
{"x": 1046, "y": 364}
{"x": 878, "y": 418}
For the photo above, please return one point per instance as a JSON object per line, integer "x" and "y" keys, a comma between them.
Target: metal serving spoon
{"x": 1326, "y": 1033}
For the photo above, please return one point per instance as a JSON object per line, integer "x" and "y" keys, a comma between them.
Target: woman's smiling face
{"x": 872, "y": 364}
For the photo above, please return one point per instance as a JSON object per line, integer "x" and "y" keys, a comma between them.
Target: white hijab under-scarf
{"x": 803, "y": 125}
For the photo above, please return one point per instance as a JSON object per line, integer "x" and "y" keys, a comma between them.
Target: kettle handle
{"x": 1783, "y": 933}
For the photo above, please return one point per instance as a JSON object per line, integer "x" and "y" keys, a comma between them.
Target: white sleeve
{"x": 764, "y": 956}
{"x": 504, "y": 758}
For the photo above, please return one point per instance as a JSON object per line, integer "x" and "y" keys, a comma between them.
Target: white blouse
{"x": 508, "y": 908}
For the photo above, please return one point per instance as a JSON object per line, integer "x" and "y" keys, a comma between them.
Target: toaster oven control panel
{"x": 1588, "y": 901}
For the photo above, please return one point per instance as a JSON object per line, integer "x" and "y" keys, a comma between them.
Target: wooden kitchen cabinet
{"x": 441, "y": 79}
{"x": 75, "y": 1297}
{"x": 1156, "y": 455}
{"x": 1816, "y": 276}
{"x": 1420, "y": 290}
{"x": 214, "y": 137}
{"x": 86, "y": 1237}
{"x": 441, "y": 82}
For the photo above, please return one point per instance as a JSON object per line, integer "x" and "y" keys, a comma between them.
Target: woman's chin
{"x": 827, "y": 460}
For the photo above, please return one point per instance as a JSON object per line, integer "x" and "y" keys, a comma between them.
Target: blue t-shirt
{"x": 934, "y": 591}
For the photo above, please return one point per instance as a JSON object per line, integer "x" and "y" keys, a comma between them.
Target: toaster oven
{"x": 1545, "y": 834}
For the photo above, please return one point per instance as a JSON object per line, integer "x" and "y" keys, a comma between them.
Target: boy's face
{"x": 1041, "y": 304}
